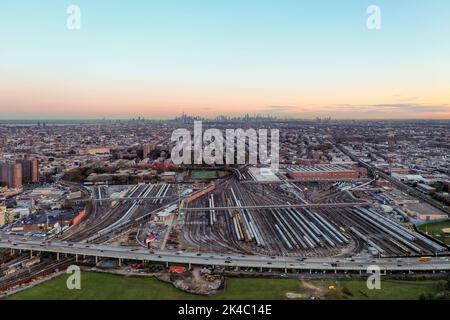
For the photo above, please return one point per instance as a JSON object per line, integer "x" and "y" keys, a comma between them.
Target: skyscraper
{"x": 11, "y": 174}
{"x": 30, "y": 170}
{"x": 147, "y": 149}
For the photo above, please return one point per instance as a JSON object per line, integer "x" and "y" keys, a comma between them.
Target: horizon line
{"x": 212, "y": 118}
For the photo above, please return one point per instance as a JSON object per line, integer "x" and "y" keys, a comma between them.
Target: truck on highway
{"x": 424, "y": 259}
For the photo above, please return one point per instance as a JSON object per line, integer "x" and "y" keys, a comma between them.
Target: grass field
{"x": 393, "y": 290}
{"x": 204, "y": 175}
{"x": 106, "y": 286}
{"x": 434, "y": 229}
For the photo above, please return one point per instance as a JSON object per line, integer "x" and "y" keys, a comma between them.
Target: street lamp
{"x": 46, "y": 225}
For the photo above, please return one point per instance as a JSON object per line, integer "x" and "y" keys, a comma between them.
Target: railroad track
{"x": 280, "y": 233}
{"x": 121, "y": 213}
{"x": 27, "y": 275}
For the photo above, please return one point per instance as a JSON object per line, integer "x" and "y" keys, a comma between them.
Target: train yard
{"x": 230, "y": 218}
{"x": 304, "y": 232}
{"x": 246, "y": 228}
{"x": 107, "y": 216}
{"x": 22, "y": 269}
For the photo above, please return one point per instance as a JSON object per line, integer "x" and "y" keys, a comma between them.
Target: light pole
{"x": 46, "y": 225}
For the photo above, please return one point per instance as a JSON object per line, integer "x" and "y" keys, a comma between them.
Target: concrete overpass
{"x": 358, "y": 265}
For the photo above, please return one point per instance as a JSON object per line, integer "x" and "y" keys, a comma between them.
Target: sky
{"x": 288, "y": 58}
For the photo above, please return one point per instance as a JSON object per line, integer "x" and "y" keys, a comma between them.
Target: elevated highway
{"x": 237, "y": 261}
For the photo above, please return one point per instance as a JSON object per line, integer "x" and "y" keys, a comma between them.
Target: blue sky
{"x": 158, "y": 58}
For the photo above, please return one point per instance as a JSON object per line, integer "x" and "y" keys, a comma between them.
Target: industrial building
{"x": 6, "y": 216}
{"x": 263, "y": 174}
{"x": 425, "y": 188}
{"x": 424, "y": 211}
{"x": 324, "y": 172}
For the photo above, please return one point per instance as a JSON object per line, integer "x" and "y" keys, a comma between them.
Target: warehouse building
{"x": 263, "y": 175}
{"x": 424, "y": 188}
{"x": 324, "y": 172}
{"x": 424, "y": 211}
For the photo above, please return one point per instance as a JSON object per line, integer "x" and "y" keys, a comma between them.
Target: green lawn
{"x": 393, "y": 290}
{"x": 106, "y": 286}
{"x": 434, "y": 229}
{"x": 204, "y": 175}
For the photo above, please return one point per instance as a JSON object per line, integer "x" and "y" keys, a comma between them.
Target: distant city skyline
{"x": 287, "y": 58}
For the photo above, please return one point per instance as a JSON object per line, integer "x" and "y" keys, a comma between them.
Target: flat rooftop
{"x": 263, "y": 174}
{"x": 320, "y": 168}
